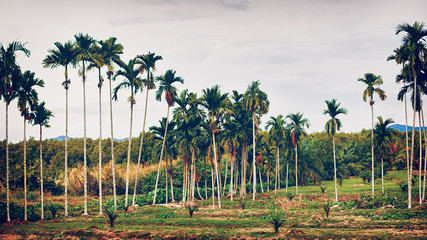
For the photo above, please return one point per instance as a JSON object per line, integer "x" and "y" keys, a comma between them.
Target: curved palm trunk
{"x": 161, "y": 156}
{"x": 25, "y": 169}
{"x": 7, "y": 163}
{"x": 335, "y": 170}
{"x": 372, "y": 148}
{"x": 216, "y": 171}
{"x": 382, "y": 175}
{"x": 128, "y": 160}
{"x": 66, "y": 154}
{"x": 113, "y": 162}
{"x": 84, "y": 144}
{"x": 253, "y": 155}
{"x": 41, "y": 173}
{"x": 260, "y": 179}
{"x": 140, "y": 149}
{"x": 100, "y": 154}
{"x": 296, "y": 168}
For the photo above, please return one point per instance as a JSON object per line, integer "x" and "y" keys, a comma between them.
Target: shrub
{"x": 323, "y": 189}
{"x": 327, "y": 208}
{"x": 112, "y": 213}
{"x": 192, "y": 209}
{"x": 53, "y": 208}
{"x": 277, "y": 221}
{"x": 243, "y": 201}
{"x": 32, "y": 196}
{"x": 290, "y": 195}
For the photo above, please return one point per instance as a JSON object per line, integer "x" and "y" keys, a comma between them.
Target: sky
{"x": 303, "y": 52}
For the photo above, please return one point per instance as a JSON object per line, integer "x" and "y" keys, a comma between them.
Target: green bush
{"x": 53, "y": 208}
{"x": 290, "y": 195}
{"x": 327, "y": 208}
{"x": 192, "y": 209}
{"x": 323, "y": 189}
{"x": 112, "y": 213}
{"x": 32, "y": 196}
{"x": 277, "y": 220}
{"x": 243, "y": 202}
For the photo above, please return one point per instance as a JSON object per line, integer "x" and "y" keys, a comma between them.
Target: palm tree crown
{"x": 297, "y": 125}
{"x": 166, "y": 86}
{"x": 334, "y": 124}
{"x": 27, "y": 95}
{"x": 372, "y": 80}
{"x": 131, "y": 79}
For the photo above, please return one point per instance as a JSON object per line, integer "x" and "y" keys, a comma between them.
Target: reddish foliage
{"x": 169, "y": 98}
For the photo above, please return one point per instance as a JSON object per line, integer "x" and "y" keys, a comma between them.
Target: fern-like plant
{"x": 277, "y": 220}
{"x": 243, "y": 201}
{"x": 112, "y": 214}
{"x": 327, "y": 208}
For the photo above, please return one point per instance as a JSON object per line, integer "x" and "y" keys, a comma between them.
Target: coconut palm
{"x": 231, "y": 133}
{"x": 257, "y": 102}
{"x": 277, "y": 133}
{"x": 9, "y": 83}
{"x": 27, "y": 100}
{"x": 331, "y": 127}
{"x": 383, "y": 136}
{"x": 297, "y": 125}
{"x": 414, "y": 42}
{"x": 170, "y": 91}
{"x": 129, "y": 72}
{"x": 372, "y": 81}
{"x": 148, "y": 64}
{"x": 64, "y": 55}
{"x": 216, "y": 103}
{"x": 84, "y": 45}
{"x": 41, "y": 116}
{"x": 111, "y": 54}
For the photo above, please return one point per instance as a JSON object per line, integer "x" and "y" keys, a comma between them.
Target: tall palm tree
{"x": 216, "y": 103}
{"x": 332, "y": 126}
{"x": 9, "y": 83}
{"x": 414, "y": 42}
{"x": 96, "y": 60}
{"x": 84, "y": 45}
{"x": 383, "y": 136}
{"x": 129, "y": 72}
{"x": 111, "y": 54}
{"x": 257, "y": 102}
{"x": 277, "y": 133}
{"x": 148, "y": 64}
{"x": 41, "y": 117}
{"x": 64, "y": 55}
{"x": 372, "y": 80}
{"x": 297, "y": 125}
{"x": 27, "y": 100}
{"x": 166, "y": 82}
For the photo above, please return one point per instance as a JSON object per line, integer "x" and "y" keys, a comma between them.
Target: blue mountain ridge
{"x": 62, "y": 137}
{"x": 402, "y": 128}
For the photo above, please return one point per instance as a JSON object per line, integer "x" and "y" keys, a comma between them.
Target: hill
{"x": 402, "y": 128}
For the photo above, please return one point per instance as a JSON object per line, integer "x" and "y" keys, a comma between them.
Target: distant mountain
{"x": 402, "y": 128}
{"x": 62, "y": 137}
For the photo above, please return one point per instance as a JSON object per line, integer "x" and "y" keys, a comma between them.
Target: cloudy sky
{"x": 303, "y": 52}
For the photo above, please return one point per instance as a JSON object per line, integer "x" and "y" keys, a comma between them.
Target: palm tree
{"x": 372, "y": 80}
{"x": 383, "y": 138}
{"x": 297, "y": 125}
{"x": 96, "y": 60}
{"x": 84, "y": 45}
{"x": 131, "y": 80}
{"x": 111, "y": 54}
{"x": 255, "y": 101}
{"x": 277, "y": 133}
{"x": 64, "y": 55}
{"x": 332, "y": 126}
{"x": 148, "y": 63}
{"x": 9, "y": 83}
{"x": 216, "y": 104}
{"x": 170, "y": 91}
{"x": 41, "y": 117}
{"x": 414, "y": 42}
{"x": 27, "y": 100}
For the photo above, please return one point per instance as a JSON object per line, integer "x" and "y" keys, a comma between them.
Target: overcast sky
{"x": 303, "y": 52}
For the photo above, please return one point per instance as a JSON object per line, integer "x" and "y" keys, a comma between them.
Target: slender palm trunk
{"x": 231, "y": 178}
{"x": 213, "y": 186}
{"x": 206, "y": 179}
{"x": 335, "y": 170}
{"x": 260, "y": 179}
{"x": 253, "y": 154}
{"x": 84, "y": 144}
{"x": 113, "y": 167}
{"x": 173, "y": 199}
{"x": 7, "y": 163}
{"x": 193, "y": 175}
{"x": 66, "y": 154}
{"x": 184, "y": 183}
{"x": 25, "y": 169}
{"x": 243, "y": 174}
{"x": 408, "y": 160}
{"x": 268, "y": 181}
{"x": 225, "y": 177}
{"x": 421, "y": 158}
{"x": 198, "y": 191}
{"x": 413, "y": 142}
{"x": 128, "y": 159}
{"x": 287, "y": 174}
{"x": 425, "y": 154}
{"x": 166, "y": 174}
{"x": 41, "y": 173}
{"x": 161, "y": 155}
{"x": 372, "y": 147}
{"x": 100, "y": 154}
{"x": 277, "y": 169}
{"x": 216, "y": 171}
{"x": 296, "y": 168}
{"x": 140, "y": 149}
{"x": 382, "y": 175}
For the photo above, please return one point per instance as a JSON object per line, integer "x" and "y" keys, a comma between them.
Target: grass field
{"x": 356, "y": 216}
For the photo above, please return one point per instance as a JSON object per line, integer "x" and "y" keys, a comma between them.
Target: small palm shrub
{"x": 53, "y": 208}
{"x": 327, "y": 208}
{"x": 290, "y": 195}
{"x": 277, "y": 220}
{"x": 192, "y": 209}
{"x": 323, "y": 189}
{"x": 243, "y": 202}
{"x": 112, "y": 214}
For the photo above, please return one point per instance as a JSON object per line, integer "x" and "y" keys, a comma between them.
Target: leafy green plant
{"x": 53, "y": 208}
{"x": 112, "y": 214}
{"x": 327, "y": 208}
{"x": 243, "y": 201}
{"x": 290, "y": 195}
{"x": 192, "y": 209}
{"x": 277, "y": 220}
{"x": 323, "y": 189}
